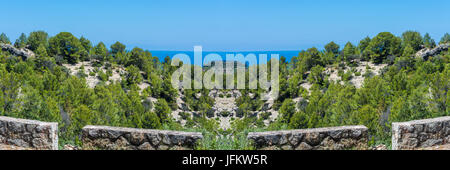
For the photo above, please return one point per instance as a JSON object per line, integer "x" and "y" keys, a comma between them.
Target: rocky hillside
{"x": 22, "y": 52}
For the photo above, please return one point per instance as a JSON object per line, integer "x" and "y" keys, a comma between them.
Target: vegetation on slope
{"x": 41, "y": 88}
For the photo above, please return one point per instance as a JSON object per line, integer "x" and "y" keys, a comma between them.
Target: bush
{"x": 225, "y": 113}
{"x": 299, "y": 121}
{"x": 81, "y": 74}
{"x": 163, "y": 110}
{"x": 150, "y": 121}
{"x": 184, "y": 115}
{"x": 368, "y": 74}
{"x": 91, "y": 73}
{"x": 287, "y": 110}
{"x": 347, "y": 76}
{"x": 265, "y": 115}
{"x": 102, "y": 76}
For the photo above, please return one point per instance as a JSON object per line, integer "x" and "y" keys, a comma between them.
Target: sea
{"x": 287, "y": 54}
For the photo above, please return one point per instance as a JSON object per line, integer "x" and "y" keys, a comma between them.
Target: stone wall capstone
{"x": 28, "y": 133}
{"x": 119, "y": 138}
{"x": 331, "y": 138}
{"x": 420, "y": 133}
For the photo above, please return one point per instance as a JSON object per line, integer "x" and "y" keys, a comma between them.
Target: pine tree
{"x": 117, "y": 48}
{"x": 349, "y": 51}
{"x": 163, "y": 111}
{"x": 35, "y": 39}
{"x": 413, "y": 39}
{"x": 332, "y": 48}
{"x": 445, "y": 39}
{"x": 66, "y": 45}
{"x": 383, "y": 45}
{"x": 100, "y": 51}
{"x": 287, "y": 109}
{"x": 428, "y": 41}
{"x": 408, "y": 51}
{"x": 21, "y": 42}
{"x": 4, "y": 39}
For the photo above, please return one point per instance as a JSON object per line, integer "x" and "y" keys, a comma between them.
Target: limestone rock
{"x": 22, "y": 52}
{"x": 425, "y": 53}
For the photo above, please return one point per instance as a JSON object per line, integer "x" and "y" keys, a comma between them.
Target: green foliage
{"x": 287, "y": 110}
{"x": 413, "y": 39}
{"x": 41, "y": 51}
{"x": 163, "y": 111}
{"x": 4, "y": 39}
{"x": 150, "y": 120}
{"x": 299, "y": 121}
{"x": 363, "y": 44}
{"x": 294, "y": 90}
{"x": 184, "y": 115}
{"x": 332, "y": 48}
{"x": 349, "y": 51}
{"x": 316, "y": 76}
{"x": 383, "y": 45}
{"x": 103, "y": 76}
{"x": 133, "y": 75}
{"x": 142, "y": 59}
{"x": 445, "y": 39}
{"x": 21, "y": 42}
{"x": 100, "y": 51}
{"x": 37, "y": 38}
{"x": 428, "y": 41}
{"x": 346, "y": 76}
{"x": 117, "y": 48}
{"x": 408, "y": 51}
{"x": 407, "y": 89}
{"x": 210, "y": 141}
{"x": 66, "y": 45}
{"x": 87, "y": 45}
{"x": 225, "y": 114}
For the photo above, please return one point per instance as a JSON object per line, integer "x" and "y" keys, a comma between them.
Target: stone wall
{"x": 118, "y": 138}
{"x": 332, "y": 138}
{"x": 420, "y": 133}
{"x": 28, "y": 133}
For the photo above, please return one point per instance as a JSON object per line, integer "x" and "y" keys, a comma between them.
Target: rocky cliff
{"x": 426, "y": 52}
{"x": 22, "y": 52}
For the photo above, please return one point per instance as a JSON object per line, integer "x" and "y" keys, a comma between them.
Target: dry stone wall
{"x": 421, "y": 133}
{"x": 28, "y": 133}
{"x": 332, "y": 138}
{"x": 118, "y": 138}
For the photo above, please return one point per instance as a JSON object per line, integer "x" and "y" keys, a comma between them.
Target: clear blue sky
{"x": 226, "y": 25}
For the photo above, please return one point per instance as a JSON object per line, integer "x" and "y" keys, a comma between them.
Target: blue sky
{"x": 225, "y": 25}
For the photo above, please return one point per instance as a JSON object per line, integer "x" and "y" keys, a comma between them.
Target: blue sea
{"x": 162, "y": 54}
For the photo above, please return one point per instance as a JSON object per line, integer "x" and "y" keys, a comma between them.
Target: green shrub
{"x": 102, "y": 76}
